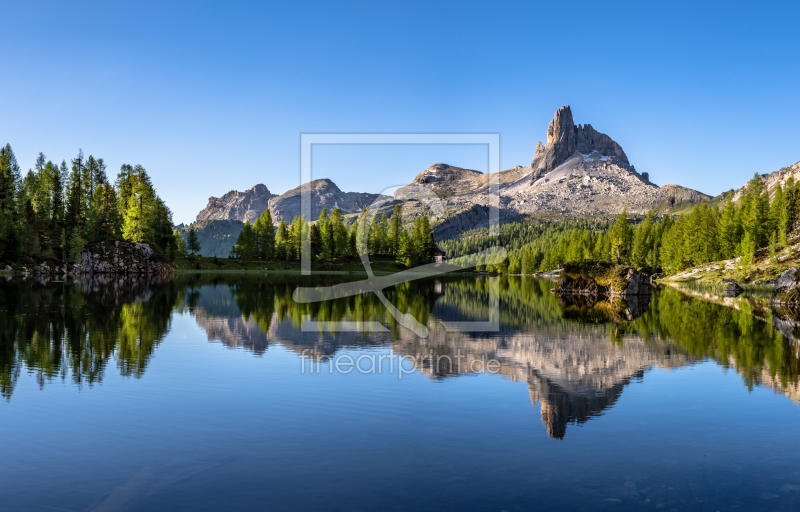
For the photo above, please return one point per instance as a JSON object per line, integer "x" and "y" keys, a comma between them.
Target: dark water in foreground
{"x": 196, "y": 394}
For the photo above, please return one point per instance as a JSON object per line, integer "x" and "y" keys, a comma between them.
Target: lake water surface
{"x": 220, "y": 392}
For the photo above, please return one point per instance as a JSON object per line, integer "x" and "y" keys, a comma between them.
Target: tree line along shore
{"x": 55, "y": 210}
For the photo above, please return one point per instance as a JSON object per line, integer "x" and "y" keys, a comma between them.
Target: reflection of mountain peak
{"x": 560, "y": 408}
{"x": 233, "y": 332}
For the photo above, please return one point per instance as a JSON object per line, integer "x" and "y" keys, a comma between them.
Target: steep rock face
{"x": 564, "y": 139}
{"x": 324, "y": 194}
{"x": 242, "y": 206}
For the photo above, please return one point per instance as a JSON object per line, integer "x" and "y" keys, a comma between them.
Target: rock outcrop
{"x": 787, "y": 288}
{"x": 111, "y": 258}
{"x": 242, "y": 206}
{"x": 734, "y": 290}
{"x": 600, "y": 279}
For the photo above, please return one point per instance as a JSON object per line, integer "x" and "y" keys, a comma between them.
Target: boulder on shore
{"x": 111, "y": 258}
{"x": 734, "y": 290}
{"x": 787, "y": 288}
{"x": 596, "y": 278}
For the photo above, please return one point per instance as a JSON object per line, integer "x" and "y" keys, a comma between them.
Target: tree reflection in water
{"x": 577, "y": 355}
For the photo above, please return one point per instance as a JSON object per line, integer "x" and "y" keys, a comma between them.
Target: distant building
{"x": 440, "y": 256}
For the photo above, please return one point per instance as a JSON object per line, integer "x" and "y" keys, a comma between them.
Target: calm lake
{"x": 220, "y": 392}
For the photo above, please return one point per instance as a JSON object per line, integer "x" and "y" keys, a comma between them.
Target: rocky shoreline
{"x": 787, "y": 289}
{"x": 602, "y": 279}
{"x": 108, "y": 258}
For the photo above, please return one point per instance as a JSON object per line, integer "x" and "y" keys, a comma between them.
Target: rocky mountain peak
{"x": 436, "y": 167}
{"x": 324, "y": 194}
{"x": 235, "y": 205}
{"x": 564, "y": 139}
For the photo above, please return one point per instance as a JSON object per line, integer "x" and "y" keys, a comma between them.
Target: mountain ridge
{"x": 578, "y": 170}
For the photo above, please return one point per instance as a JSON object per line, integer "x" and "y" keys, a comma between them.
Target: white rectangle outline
{"x": 307, "y": 140}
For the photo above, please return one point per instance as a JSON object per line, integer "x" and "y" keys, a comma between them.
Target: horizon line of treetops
{"x": 706, "y": 234}
{"x": 54, "y": 211}
{"x": 330, "y": 238}
{"x": 667, "y": 243}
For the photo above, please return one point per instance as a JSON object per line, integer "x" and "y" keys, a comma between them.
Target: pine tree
{"x": 527, "y": 262}
{"x": 621, "y": 239}
{"x": 316, "y": 245}
{"x": 136, "y": 225}
{"x": 643, "y": 241}
{"x": 340, "y": 235}
{"x": 161, "y": 227}
{"x": 747, "y": 252}
{"x": 281, "y": 241}
{"x": 772, "y": 249}
{"x": 180, "y": 245}
{"x": 124, "y": 185}
{"x": 9, "y": 182}
{"x": 244, "y": 243}
{"x": 299, "y": 237}
{"x": 193, "y": 244}
{"x": 403, "y": 256}
{"x": 266, "y": 236}
{"x": 103, "y": 214}
{"x": 352, "y": 240}
{"x": 324, "y": 247}
{"x": 395, "y": 227}
{"x": 90, "y": 172}
{"x": 777, "y": 209}
{"x": 729, "y": 229}
{"x": 76, "y": 245}
{"x": 363, "y": 232}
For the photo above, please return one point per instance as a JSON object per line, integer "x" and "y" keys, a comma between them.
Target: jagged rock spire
{"x": 564, "y": 139}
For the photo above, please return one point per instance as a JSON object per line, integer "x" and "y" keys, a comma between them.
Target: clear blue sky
{"x": 211, "y": 97}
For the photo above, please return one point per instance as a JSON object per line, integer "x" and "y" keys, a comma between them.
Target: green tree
{"x": 282, "y": 241}
{"x": 264, "y": 235}
{"x": 136, "y": 225}
{"x": 103, "y": 214}
{"x": 621, "y": 239}
{"x": 527, "y": 262}
{"x": 340, "y": 235}
{"x": 395, "y": 227}
{"x": 245, "y": 246}
{"x": 193, "y": 244}
{"x": 76, "y": 246}
{"x": 325, "y": 246}
{"x": 180, "y": 245}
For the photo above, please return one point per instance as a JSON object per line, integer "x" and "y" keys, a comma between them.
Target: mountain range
{"x": 578, "y": 170}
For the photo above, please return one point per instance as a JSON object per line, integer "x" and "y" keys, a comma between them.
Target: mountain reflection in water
{"x": 577, "y": 356}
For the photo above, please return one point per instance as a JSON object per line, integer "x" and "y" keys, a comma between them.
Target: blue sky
{"x": 211, "y": 97}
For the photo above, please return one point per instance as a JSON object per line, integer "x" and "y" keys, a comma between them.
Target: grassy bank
{"x": 760, "y": 273}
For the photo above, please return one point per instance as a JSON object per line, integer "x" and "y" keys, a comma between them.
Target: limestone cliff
{"x": 234, "y": 205}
